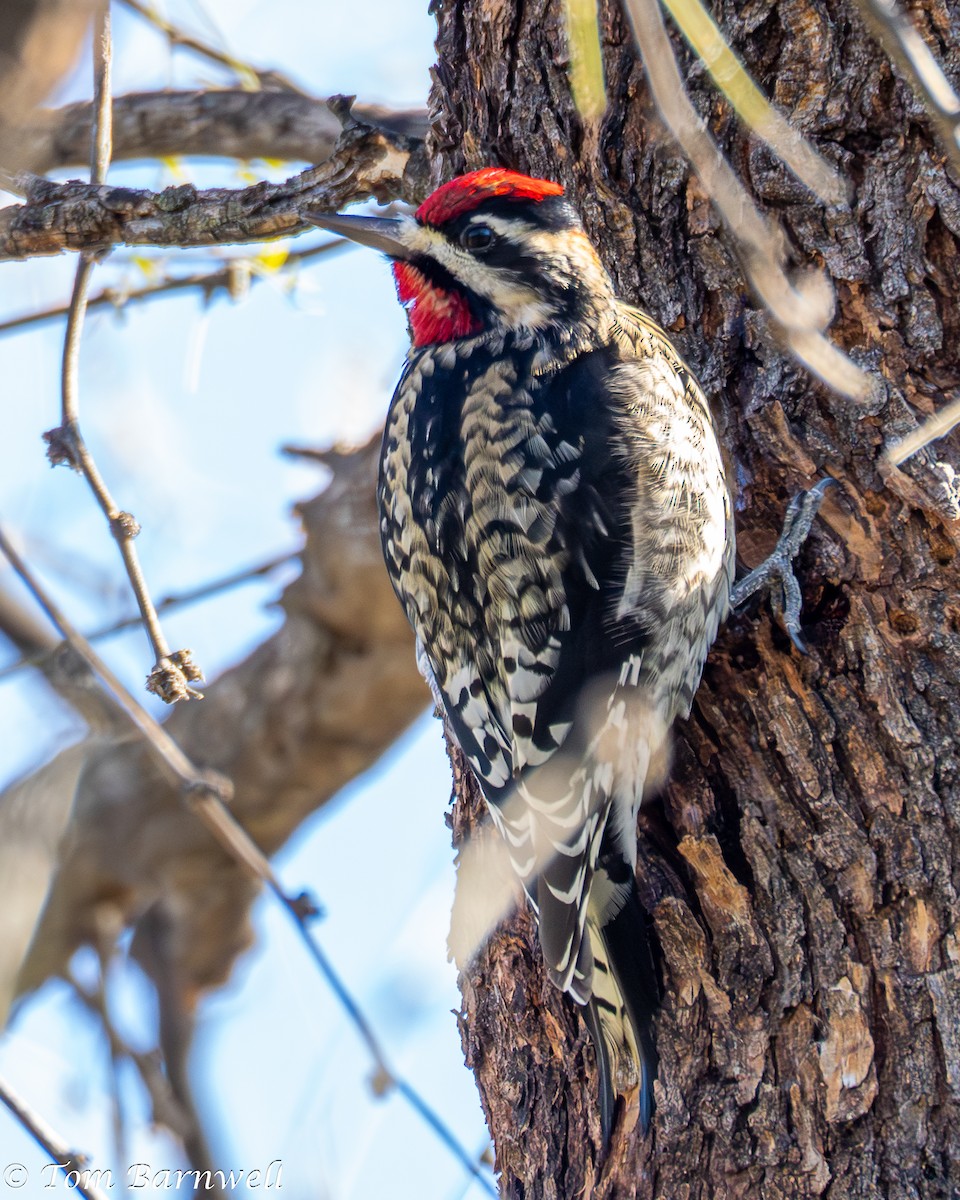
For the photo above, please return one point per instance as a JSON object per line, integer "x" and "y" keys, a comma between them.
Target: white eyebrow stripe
{"x": 505, "y": 225}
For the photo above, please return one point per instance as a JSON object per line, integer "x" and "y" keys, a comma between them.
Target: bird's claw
{"x": 785, "y": 599}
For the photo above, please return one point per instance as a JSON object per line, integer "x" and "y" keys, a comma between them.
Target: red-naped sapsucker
{"x": 557, "y": 525}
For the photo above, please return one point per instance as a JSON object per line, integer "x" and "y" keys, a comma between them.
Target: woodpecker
{"x": 557, "y": 525}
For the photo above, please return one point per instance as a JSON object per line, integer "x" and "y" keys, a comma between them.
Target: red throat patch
{"x": 435, "y": 315}
{"x": 467, "y": 192}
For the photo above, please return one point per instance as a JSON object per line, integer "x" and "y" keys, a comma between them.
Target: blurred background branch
{"x": 40, "y": 41}
{"x": 226, "y": 123}
{"x": 179, "y": 38}
{"x": 902, "y": 40}
{"x": 235, "y": 278}
{"x": 73, "y": 1165}
{"x": 802, "y": 308}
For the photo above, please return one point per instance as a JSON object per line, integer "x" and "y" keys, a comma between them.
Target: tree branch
{"x": 80, "y": 216}
{"x": 210, "y": 124}
{"x": 235, "y": 277}
{"x": 188, "y": 41}
{"x": 74, "y": 1166}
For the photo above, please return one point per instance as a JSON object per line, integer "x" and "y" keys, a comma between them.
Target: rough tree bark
{"x": 802, "y": 864}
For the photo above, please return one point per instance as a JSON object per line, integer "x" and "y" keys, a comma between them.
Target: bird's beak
{"x": 380, "y": 233}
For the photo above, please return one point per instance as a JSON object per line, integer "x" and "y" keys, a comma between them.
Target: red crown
{"x": 467, "y": 192}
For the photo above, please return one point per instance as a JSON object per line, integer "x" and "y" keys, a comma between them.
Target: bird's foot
{"x": 775, "y": 574}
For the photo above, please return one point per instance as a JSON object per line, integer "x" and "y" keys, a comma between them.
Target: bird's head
{"x": 490, "y": 251}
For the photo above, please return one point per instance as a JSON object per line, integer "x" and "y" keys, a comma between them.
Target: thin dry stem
{"x": 178, "y": 37}
{"x": 170, "y": 679}
{"x": 936, "y": 426}
{"x": 101, "y": 133}
{"x": 902, "y": 41}
{"x": 68, "y": 1161}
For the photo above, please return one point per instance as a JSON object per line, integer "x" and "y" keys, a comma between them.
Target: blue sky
{"x": 215, "y": 392}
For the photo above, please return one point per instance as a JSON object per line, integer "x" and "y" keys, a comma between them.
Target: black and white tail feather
{"x": 622, "y": 1031}
{"x": 624, "y": 997}
{"x": 570, "y": 830}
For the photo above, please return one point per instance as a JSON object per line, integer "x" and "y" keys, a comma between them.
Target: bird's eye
{"x": 477, "y": 237}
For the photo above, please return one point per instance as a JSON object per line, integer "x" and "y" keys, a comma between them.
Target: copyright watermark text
{"x": 142, "y": 1177}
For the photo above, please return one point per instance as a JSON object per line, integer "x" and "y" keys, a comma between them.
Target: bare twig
{"x": 101, "y": 133}
{"x": 173, "y": 673}
{"x": 234, "y": 278}
{"x": 936, "y": 426}
{"x": 186, "y": 41}
{"x": 171, "y": 676}
{"x": 586, "y": 60}
{"x": 205, "y": 792}
{"x": 166, "y": 1108}
{"x": 902, "y": 41}
{"x": 168, "y": 603}
{"x": 74, "y": 1166}
{"x": 79, "y": 216}
{"x": 802, "y": 313}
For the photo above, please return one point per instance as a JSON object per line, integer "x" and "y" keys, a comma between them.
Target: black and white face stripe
{"x": 526, "y": 268}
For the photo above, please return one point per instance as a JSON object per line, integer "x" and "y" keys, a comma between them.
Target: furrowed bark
{"x": 802, "y": 864}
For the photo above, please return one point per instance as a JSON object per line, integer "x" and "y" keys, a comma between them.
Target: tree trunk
{"x": 801, "y": 866}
